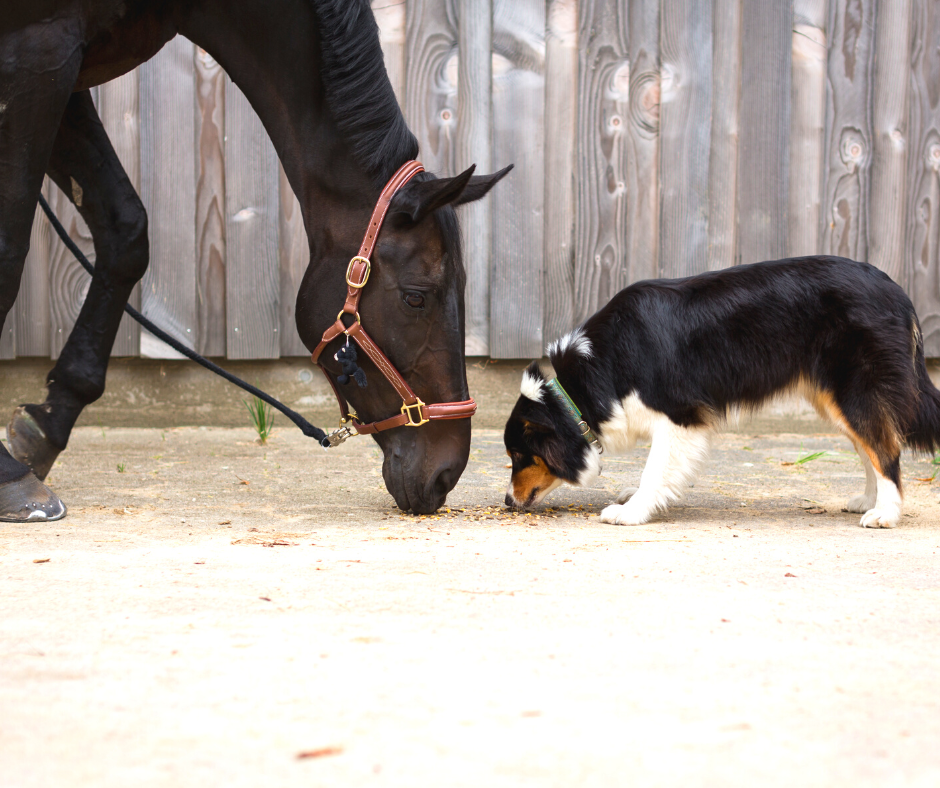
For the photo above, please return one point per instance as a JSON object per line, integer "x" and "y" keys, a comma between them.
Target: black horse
{"x": 313, "y": 71}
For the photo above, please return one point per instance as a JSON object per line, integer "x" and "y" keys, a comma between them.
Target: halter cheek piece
{"x": 414, "y": 412}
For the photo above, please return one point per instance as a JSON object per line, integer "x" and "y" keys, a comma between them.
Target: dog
{"x": 668, "y": 360}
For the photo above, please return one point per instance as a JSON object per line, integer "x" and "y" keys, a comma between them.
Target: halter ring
{"x": 344, "y": 312}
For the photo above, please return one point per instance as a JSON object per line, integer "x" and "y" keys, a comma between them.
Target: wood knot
{"x": 644, "y": 101}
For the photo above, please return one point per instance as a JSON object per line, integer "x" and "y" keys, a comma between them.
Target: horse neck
{"x": 276, "y": 60}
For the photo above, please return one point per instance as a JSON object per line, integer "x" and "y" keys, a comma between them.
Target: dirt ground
{"x": 216, "y": 612}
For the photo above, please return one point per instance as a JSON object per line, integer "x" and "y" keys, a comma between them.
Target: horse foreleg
{"x": 83, "y": 156}
{"x": 37, "y": 70}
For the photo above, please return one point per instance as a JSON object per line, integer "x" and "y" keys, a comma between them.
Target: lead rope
{"x": 305, "y": 426}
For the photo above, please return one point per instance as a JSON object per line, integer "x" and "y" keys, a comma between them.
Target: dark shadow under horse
{"x": 313, "y": 71}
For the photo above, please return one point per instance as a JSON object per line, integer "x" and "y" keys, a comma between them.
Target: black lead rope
{"x": 305, "y": 426}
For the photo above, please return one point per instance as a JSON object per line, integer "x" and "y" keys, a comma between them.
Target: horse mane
{"x": 358, "y": 90}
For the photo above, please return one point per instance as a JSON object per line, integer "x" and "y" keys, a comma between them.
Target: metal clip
{"x": 341, "y": 435}
{"x": 588, "y": 434}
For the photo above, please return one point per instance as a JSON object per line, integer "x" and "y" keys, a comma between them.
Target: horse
{"x": 314, "y": 73}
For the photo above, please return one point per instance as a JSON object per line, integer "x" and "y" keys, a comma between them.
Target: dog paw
{"x": 625, "y": 514}
{"x": 860, "y": 504}
{"x": 881, "y": 518}
{"x": 626, "y": 494}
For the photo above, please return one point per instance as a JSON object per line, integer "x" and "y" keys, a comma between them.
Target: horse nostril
{"x": 444, "y": 482}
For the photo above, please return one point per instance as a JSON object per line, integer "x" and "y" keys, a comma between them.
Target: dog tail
{"x": 924, "y": 432}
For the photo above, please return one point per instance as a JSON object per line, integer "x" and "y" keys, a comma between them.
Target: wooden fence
{"x": 650, "y": 138}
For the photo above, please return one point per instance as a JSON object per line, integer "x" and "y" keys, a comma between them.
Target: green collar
{"x": 586, "y": 432}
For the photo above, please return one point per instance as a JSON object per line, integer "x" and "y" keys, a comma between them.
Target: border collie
{"x": 667, "y": 360}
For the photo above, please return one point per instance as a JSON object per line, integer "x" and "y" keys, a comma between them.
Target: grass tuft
{"x": 122, "y": 466}
{"x": 810, "y": 457}
{"x": 262, "y": 418}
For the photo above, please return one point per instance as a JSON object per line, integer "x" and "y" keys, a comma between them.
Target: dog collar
{"x": 586, "y": 432}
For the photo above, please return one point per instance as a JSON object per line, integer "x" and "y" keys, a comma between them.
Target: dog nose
{"x": 509, "y": 502}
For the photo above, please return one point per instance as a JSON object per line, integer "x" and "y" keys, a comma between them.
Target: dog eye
{"x": 414, "y": 299}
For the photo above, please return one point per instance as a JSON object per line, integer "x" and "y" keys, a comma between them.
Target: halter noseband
{"x": 414, "y": 412}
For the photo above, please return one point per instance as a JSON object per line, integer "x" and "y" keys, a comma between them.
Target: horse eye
{"x": 413, "y": 299}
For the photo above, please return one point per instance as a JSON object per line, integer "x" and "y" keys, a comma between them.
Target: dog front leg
{"x": 675, "y": 456}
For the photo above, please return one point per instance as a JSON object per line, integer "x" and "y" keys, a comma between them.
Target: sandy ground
{"x": 212, "y": 609}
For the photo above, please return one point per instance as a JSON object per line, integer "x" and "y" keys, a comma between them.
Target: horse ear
{"x": 419, "y": 198}
{"x": 479, "y": 185}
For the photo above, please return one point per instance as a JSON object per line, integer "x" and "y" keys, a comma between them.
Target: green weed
{"x": 262, "y": 418}
{"x": 122, "y": 466}
{"x": 810, "y": 457}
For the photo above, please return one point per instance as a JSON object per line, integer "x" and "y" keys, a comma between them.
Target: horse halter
{"x": 414, "y": 412}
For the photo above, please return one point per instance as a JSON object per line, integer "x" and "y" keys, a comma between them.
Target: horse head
{"x": 413, "y": 309}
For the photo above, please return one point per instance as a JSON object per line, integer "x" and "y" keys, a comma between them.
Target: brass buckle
{"x": 407, "y": 411}
{"x": 349, "y": 272}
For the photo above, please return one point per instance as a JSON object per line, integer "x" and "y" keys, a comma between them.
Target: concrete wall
{"x": 151, "y": 393}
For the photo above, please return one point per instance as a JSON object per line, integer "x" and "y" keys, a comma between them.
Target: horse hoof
{"x": 28, "y": 443}
{"x": 28, "y": 499}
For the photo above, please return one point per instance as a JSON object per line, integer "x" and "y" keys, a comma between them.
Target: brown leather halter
{"x": 414, "y": 412}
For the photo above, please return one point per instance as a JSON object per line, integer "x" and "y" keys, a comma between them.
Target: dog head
{"x": 544, "y": 444}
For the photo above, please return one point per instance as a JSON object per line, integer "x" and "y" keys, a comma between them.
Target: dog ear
{"x": 535, "y": 416}
{"x": 531, "y": 427}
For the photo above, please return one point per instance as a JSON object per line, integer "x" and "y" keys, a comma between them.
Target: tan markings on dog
{"x": 827, "y": 407}
{"x": 528, "y": 480}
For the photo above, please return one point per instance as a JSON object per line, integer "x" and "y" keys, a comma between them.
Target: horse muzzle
{"x": 422, "y": 466}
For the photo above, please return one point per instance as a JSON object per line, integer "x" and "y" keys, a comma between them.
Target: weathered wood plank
{"x": 68, "y": 282}
{"x": 561, "y": 110}
{"x": 723, "y": 157}
{"x": 431, "y": 81}
{"x": 518, "y": 133}
{"x": 603, "y": 149}
{"x": 390, "y": 17}
{"x": 643, "y": 173}
{"x": 167, "y": 188}
{"x": 210, "y": 204}
{"x": 252, "y": 278}
{"x": 807, "y": 125}
{"x": 685, "y": 112}
{"x": 294, "y": 258}
{"x": 891, "y": 84}
{"x": 923, "y": 222}
{"x": 474, "y": 145}
{"x": 847, "y": 168}
{"x": 119, "y": 109}
{"x": 32, "y": 304}
{"x": 763, "y": 153}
